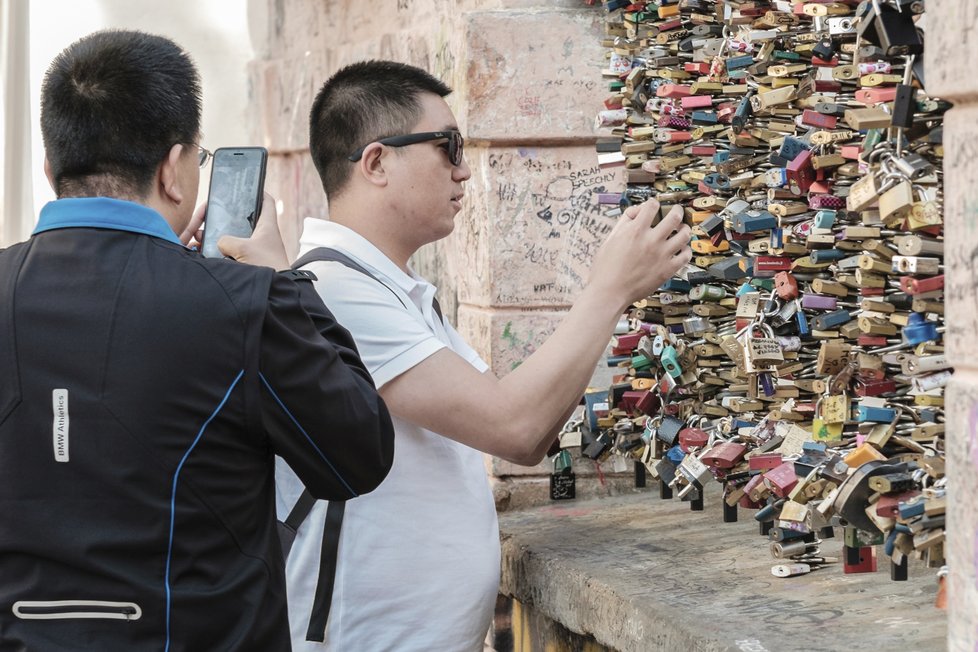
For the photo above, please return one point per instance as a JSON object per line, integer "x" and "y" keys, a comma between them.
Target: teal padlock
{"x": 824, "y": 219}
{"x": 670, "y": 361}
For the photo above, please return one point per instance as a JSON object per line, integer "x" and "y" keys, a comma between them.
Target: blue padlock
{"x": 707, "y": 117}
{"x": 752, "y": 221}
{"x": 832, "y": 319}
{"x": 875, "y": 414}
{"x": 918, "y": 329}
{"x": 824, "y": 219}
{"x": 745, "y": 288}
{"x": 802, "y": 320}
{"x": 813, "y": 447}
{"x": 792, "y": 147}
{"x": 676, "y": 285}
{"x": 742, "y": 61}
{"x": 827, "y": 255}
{"x": 592, "y": 400}
{"x": 675, "y": 454}
{"x": 716, "y": 181}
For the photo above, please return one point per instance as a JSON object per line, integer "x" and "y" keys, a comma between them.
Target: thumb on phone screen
{"x": 264, "y": 247}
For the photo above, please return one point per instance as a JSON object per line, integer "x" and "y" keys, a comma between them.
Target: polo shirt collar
{"x": 104, "y": 213}
{"x": 322, "y": 233}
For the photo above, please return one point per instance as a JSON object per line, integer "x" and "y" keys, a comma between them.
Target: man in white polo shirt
{"x": 415, "y": 564}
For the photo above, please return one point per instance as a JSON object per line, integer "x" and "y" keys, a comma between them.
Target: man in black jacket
{"x": 145, "y": 390}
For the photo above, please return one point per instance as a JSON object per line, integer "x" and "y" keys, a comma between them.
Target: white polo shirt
{"x": 418, "y": 558}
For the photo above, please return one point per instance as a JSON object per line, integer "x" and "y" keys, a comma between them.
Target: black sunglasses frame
{"x": 454, "y": 150}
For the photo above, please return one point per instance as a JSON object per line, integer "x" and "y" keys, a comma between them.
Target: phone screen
{"x": 234, "y": 201}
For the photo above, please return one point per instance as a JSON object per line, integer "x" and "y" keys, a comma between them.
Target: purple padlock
{"x": 818, "y": 302}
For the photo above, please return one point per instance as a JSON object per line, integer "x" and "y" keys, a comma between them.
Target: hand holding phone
{"x": 265, "y": 246}
{"x": 235, "y": 198}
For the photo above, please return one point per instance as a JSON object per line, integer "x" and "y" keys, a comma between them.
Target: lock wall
{"x": 526, "y": 77}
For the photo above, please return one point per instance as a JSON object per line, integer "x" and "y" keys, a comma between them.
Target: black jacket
{"x": 144, "y": 391}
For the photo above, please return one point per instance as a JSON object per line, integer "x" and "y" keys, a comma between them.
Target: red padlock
{"x": 914, "y": 286}
{"x": 724, "y": 455}
{"x": 765, "y": 461}
{"x": 782, "y": 479}
{"x": 692, "y": 438}
{"x": 786, "y": 285}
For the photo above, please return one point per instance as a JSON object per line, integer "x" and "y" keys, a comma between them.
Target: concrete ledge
{"x": 527, "y": 491}
{"x": 642, "y": 574}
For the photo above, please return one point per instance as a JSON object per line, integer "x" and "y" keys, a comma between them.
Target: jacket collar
{"x": 104, "y": 213}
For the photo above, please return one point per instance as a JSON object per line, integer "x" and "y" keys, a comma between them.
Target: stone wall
{"x": 951, "y": 29}
{"x": 527, "y": 80}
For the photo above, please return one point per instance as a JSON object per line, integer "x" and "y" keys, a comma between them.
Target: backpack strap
{"x": 323, "y": 598}
{"x": 327, "y": 572}
{"x": 326, "y": 254}
{"x": 288, "y": 528}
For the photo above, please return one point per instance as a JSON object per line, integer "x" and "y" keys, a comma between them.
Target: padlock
{"x": 668, "y": 431}
{"x": 892, "y": 30}
{"x": 563, "y": 485}
{"x": 724, "y": 455}
{"x": 599, "y": 447}
{"x": 771, "y": 81}
{"x": 828, "y": 427}
{"x": 896, "y": 201}
{"x": 761, "y": 352}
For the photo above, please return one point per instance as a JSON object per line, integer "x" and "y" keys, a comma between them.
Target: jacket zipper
{"x": 61, "y": 609}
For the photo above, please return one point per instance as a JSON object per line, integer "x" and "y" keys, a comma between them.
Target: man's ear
{"x": 49, "y": 174}
{"x": 373, "y": 164}
{"x": 168, "y": 175}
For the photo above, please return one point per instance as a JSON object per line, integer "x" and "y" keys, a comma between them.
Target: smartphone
{"x": 234, "y": 200}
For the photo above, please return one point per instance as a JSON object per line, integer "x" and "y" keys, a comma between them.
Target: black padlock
{"x": 563, "y": 484}
{"x": 598, "y": 447}
{"x": 666, "y": 471}
{"x": 669, "y": 430}
{"x": 904, "y": 106}
{"x": 825, "y": 48}
{"x": 890, "y": 29}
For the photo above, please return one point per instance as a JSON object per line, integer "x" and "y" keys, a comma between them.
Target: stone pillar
{"x": 527, "y": 80}
{"x": 16, "y": 205}
{"x": 951, "y": 28}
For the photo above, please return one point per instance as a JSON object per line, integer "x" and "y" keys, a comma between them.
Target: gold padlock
{"x": 863, "y": 193}
{"x": 897, "y": 201}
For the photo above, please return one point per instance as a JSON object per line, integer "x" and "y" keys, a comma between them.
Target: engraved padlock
{"x": 764, "y": 352}
{"x": 563, "y": 484}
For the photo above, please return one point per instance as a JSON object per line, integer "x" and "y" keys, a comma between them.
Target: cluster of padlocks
{"x": 798, "y": 360}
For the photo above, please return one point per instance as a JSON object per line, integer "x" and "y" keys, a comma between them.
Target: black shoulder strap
{"x": 287, "y": 529}
{"x": 323, "y": 599}
{"x": 334, "y": 511}
{"x": 326, "y": 254}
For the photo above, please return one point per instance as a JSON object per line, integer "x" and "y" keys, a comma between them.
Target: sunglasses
{"x": 203, "y": 156}
{"x": 453, "y": 146}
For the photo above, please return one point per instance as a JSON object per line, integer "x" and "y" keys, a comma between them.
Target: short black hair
{"x": 112, "y": 105}
{"x": 360, "y": 104}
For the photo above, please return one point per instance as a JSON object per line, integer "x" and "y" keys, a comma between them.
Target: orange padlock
{"x": 786, "y": 285}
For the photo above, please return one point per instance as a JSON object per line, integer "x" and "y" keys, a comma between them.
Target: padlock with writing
{"x": 761, "y": 349}
{"x": 563, "y": 485}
